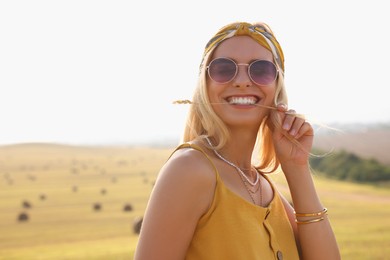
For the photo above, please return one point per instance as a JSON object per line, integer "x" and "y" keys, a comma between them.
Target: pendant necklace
{"x": 243, "y": 176}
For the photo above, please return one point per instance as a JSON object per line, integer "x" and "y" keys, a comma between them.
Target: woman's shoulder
{"x": 191, "y": 161}
{"x": 188, "y": 171}
{"x": 183, "y": 193}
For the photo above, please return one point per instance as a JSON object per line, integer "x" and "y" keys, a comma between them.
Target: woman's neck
{"x": 238, "y": 150}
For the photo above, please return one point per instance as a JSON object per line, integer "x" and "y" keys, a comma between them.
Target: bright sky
{"x": 85, "y": 72}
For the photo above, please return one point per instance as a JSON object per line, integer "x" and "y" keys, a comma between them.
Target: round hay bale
{"x": 26, "y": 204}
{"x": 23, "y": 217}
{"x": 137, "y": 224}
{"x": 97, "y": 206}
{"x": 128, "y": 207}
{"x": 42, "y": 197}
{"x": 103, "y": 191}
{"x": 75, "y": 188}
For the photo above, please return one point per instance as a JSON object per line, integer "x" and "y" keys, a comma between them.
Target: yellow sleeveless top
{"x": 236, "y": 229}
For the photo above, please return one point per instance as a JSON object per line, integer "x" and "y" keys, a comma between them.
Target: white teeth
{"x": 242, "y": 100}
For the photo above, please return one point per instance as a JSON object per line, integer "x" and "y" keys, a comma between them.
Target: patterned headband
{"x": 257, "y": 32}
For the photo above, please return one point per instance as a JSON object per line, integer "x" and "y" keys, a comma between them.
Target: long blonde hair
{"x": 202, "y": 121}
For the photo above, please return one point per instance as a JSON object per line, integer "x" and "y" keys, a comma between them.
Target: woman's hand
{"x": 292, "y": 137}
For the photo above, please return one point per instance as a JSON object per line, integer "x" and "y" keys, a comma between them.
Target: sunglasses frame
{"x": 248, "y": 71}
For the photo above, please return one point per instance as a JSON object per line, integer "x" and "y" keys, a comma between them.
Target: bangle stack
{"x": 314, "y": 217}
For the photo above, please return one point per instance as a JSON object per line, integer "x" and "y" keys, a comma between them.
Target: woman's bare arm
{"x": 317, "y": 240}
{"x": 293, "y": 139}
{"x": 182, "y": 194}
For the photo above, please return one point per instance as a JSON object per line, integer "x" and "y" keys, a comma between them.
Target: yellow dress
{"x": 236, "y": 229}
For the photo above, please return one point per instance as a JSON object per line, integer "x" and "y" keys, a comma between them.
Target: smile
{"x": 246, "y": 100}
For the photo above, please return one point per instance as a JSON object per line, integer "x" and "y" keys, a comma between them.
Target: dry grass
{"x": 65, "y": 226}
{"x": 359, "y": 214}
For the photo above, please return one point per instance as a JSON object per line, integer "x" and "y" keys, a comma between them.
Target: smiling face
{"x": 240, "y": 96}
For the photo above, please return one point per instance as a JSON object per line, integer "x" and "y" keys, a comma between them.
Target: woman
{"x": 210, "y": 201}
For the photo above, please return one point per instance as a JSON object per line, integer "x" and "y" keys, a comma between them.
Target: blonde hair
{"x": 202, "y": 121}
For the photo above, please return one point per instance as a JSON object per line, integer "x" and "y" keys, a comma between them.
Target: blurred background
{"x": 87, "y": 118}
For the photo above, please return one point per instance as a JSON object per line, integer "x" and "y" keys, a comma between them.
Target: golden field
{"x": 63, "y": 183}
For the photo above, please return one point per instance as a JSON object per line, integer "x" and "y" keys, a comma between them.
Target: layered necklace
{"x": 243, "y": 176}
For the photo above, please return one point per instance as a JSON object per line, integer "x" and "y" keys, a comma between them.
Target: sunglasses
{"x": 224, "y": 70}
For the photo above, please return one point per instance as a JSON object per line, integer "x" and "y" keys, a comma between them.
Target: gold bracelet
{"x": 322, "y": 212}
{"x": 309, "y": 221}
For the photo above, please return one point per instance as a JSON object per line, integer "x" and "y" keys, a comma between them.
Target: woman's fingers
{"x": 305, "y": 130}
{"x": 289, "y": 120}
{"x": 293, "y": 124}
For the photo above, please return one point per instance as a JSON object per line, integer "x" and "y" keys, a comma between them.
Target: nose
{"x": 242, "y": 79}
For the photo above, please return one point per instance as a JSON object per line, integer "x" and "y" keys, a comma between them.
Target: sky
{"x": 103, "y": 72}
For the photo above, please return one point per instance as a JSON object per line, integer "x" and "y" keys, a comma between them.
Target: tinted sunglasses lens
{"x": 222, "y": 70}
{"x": 263, "y": 72}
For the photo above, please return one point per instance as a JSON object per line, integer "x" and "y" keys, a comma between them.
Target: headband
{"x": 258, "y": 32}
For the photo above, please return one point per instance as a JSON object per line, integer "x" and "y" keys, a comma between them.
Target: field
{"x": 60, "y": 187}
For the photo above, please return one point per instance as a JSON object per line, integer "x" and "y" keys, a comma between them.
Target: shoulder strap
{"x": 196, "y": 147}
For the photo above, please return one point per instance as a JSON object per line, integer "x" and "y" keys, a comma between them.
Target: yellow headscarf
{"x": 259, "y": 32}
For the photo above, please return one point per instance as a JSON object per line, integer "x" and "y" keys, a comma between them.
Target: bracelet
{"x": 310, "y": 221}
{"x": 316, "y": 214}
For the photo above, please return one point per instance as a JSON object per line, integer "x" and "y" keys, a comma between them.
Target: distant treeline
{"x": 343, "y": 165}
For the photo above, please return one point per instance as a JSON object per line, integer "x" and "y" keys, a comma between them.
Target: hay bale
{"x": 103, "y": 191}
{"x": 75, "y": 188}
{"x": 122, "y": 163}
{"x": 97, "y": 206}
{"x": 23, "y": 217}
{"x": 26, "y": 204}
{"x": 137, "y": 224}
{"x": 128, "y": 207}
{"x": 42, "y": 197}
